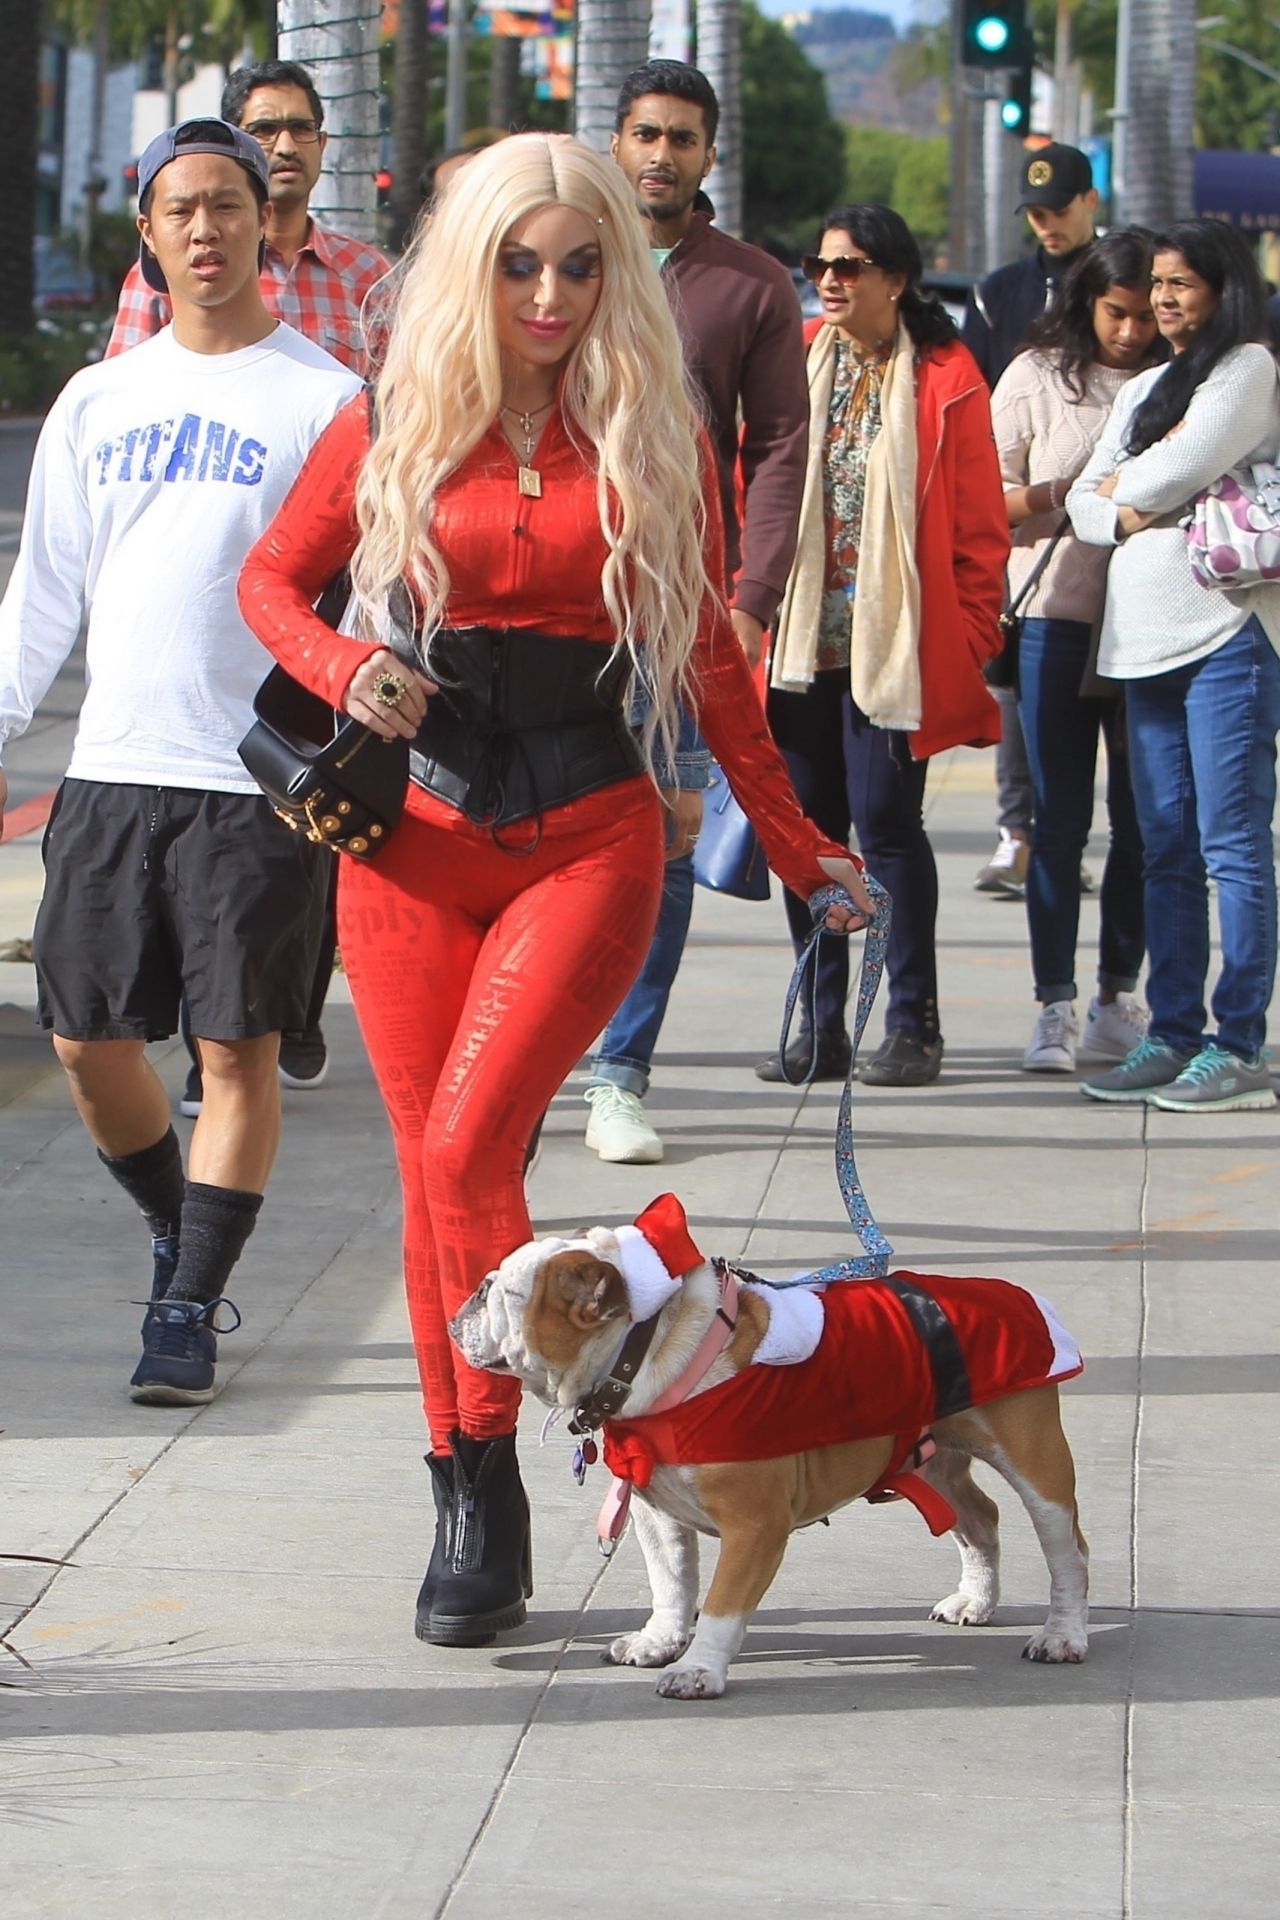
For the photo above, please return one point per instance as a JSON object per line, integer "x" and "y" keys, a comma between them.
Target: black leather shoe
{"x": 903, "y": 1060}
{"x": 834, "y": 1054}
{"x": 484, "y": 1574}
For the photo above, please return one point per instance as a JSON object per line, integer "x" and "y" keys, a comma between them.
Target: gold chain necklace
{"x": 528, "y": 477}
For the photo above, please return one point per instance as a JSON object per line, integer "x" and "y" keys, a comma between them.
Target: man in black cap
{"x": 165, "y": 870}
{"x": 1060, "y": 202}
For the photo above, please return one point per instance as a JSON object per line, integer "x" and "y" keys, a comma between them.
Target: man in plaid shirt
{"x": 314, "y": 279}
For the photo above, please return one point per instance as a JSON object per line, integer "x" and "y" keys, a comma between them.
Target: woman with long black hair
{"x": 1049, "y": 408}
{"x": 891, "y": 609}
{"x": 1201, "y": 674}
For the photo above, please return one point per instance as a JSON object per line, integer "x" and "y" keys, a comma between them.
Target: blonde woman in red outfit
{"x": 539, "y": 483}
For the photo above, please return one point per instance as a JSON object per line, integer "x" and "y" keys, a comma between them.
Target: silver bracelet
{"x": 1054, "y": 502}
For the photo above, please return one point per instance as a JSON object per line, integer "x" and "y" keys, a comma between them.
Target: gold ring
{"x": 389, "y": 689}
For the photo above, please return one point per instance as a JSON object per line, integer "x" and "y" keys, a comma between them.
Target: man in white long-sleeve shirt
{"x": 166, "y": 871}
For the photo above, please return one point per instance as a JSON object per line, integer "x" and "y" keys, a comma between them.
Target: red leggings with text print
{"x": 481, "y": 971}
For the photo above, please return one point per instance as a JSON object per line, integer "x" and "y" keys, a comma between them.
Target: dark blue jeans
{"x": 626, "y": 1048}
{"x": 1061, "y": 732}
{"x": 1203, "y": 745}
{"x": 847, "y": 772}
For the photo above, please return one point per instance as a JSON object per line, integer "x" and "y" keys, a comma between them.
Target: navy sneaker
{"x": 179, "y": 1350}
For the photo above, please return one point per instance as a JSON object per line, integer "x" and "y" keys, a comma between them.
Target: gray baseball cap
{"x": 194, "y": 136}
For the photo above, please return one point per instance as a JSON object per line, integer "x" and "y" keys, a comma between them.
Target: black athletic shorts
{"x": 153, "y": 892}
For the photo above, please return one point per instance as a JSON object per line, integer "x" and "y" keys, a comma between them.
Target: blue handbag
{"x": 728, "y": 856}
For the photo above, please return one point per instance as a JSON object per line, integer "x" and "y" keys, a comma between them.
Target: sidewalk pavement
{"x": 227, "y": 1713}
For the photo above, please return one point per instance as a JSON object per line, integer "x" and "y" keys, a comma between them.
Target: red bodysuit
{"x": 481, "y": 976}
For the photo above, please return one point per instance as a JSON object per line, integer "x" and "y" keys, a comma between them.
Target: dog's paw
{"x": 691, "y": 1681}
{"x": 1055, "y": 1648}
{"x": 962, "y": 1610}
{"x": 645, "y": 1649}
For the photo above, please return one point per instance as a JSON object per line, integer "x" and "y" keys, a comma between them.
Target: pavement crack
{"x": 1135, "y": 1473}
{"x": 531, "y": 1721}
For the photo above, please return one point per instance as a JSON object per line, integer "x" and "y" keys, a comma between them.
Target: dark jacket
{"x": 740, "y": 318}
{"x": 1003, "y": 308}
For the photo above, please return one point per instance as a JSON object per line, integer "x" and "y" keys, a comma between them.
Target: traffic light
{"x": 994, "y": 32}
{"x": 1015, "y": 108}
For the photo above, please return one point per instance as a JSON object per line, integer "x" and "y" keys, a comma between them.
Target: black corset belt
{"x": 523, "y": 721}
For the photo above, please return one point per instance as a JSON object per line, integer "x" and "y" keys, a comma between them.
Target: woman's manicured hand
{"x": 374, "y": 696}
{"x": 847, "y": 875}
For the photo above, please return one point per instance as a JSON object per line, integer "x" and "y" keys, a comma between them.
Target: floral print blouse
{"x": 853, "y": 421}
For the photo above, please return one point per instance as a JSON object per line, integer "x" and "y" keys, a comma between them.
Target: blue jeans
{"x": 1061, "y": 732}
{"x": 626, "y": 1048}
{"x": 1202, "y": 741}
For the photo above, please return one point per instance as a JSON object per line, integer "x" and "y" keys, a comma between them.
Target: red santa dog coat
{"x": 894, "y": 1356}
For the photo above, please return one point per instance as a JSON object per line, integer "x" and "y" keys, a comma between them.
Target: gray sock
{"x": 216, "y": 1222}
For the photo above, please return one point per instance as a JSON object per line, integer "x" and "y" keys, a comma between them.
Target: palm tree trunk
{"x": 408, "y": 117}
{"x": 337, "y": 41}
{"x": 19, "y": 134}
{"x": 1161, "y": 111}
{"x": 613, "y": 37}
{"x": 720, "y": 58}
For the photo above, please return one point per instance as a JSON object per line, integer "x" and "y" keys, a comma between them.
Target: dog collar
{"x": 610, "y": 1395}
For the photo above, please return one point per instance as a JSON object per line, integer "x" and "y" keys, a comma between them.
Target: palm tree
{"x": 720, "y": 58}
{"x": 19, "y": 134}
{"x": 613, "y": 37}
{"x": 337, "y": 41}
{"x": 1158, "y": 128}
{"x": 408, "y": 119}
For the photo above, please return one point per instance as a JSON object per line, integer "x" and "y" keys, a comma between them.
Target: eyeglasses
{"x": 303, "y": 133}
{"x": 846, "y": 267}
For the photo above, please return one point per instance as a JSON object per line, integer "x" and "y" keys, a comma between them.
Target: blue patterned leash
{"x": 875, "y": 1263}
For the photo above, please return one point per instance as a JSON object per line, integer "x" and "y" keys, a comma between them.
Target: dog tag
{"x": 579, "y": 1465}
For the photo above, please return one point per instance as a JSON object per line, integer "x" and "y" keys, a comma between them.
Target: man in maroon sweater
{"x": 740, "y": 318}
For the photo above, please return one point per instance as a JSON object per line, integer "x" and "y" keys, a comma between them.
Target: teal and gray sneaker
{"x": 1218, "y": 1082}
{"x": 1151, "y": 1064}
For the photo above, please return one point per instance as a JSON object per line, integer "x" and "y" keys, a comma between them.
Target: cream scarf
{"x": 884, "y": 668}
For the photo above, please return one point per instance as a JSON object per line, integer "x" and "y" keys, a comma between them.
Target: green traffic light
{"x": 992, "y": 33}
{"x": 1012, "y": 115}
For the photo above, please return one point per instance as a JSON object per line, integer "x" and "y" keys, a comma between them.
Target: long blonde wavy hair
{"x": 624, "y": 396}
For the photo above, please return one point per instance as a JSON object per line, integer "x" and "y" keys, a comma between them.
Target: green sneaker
{"x": 1151, "y": 1064}
{"x": 1218, "y": 1082}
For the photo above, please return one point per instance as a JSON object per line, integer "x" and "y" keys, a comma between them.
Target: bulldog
{"x": 742, "y": 1410}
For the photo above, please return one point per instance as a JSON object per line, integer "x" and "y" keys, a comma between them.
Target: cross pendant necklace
{"x": 528, "y": 478}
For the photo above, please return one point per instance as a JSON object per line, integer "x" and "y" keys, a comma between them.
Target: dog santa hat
{"x": 655, "y": 1255}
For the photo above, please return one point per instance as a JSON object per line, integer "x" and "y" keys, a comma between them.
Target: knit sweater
{"x": 1157, "y": 614}
{"x": 1043, "y": 432}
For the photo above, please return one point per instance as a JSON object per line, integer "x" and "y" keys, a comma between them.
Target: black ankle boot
{"x": 485, "y": 1575}
{"x": 441, "y": 1465}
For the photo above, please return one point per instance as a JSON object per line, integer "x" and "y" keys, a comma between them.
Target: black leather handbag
{"x": 327, "y": 776}
{"x": 1001, "y": 672}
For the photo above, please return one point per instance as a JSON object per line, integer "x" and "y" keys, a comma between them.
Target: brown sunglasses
{"x": 846, "y": 267}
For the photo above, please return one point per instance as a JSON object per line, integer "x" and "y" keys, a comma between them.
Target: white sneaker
{"x": 1112, "y": 1033}
{"x": 1006, "y": 870}
{"x": 1054, "y": 1041}
{"x": 618, "y": 1130}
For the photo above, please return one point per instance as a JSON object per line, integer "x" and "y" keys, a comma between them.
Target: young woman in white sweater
{"x": 1049, "y": 408}
{"x": 1201, "y": 672}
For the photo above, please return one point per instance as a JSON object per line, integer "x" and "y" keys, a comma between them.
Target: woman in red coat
{"x": 539, "y": 484}
{"x": 892, "y": 607}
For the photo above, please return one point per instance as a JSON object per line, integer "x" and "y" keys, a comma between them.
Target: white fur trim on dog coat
{"x": 796, "y": 1316}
